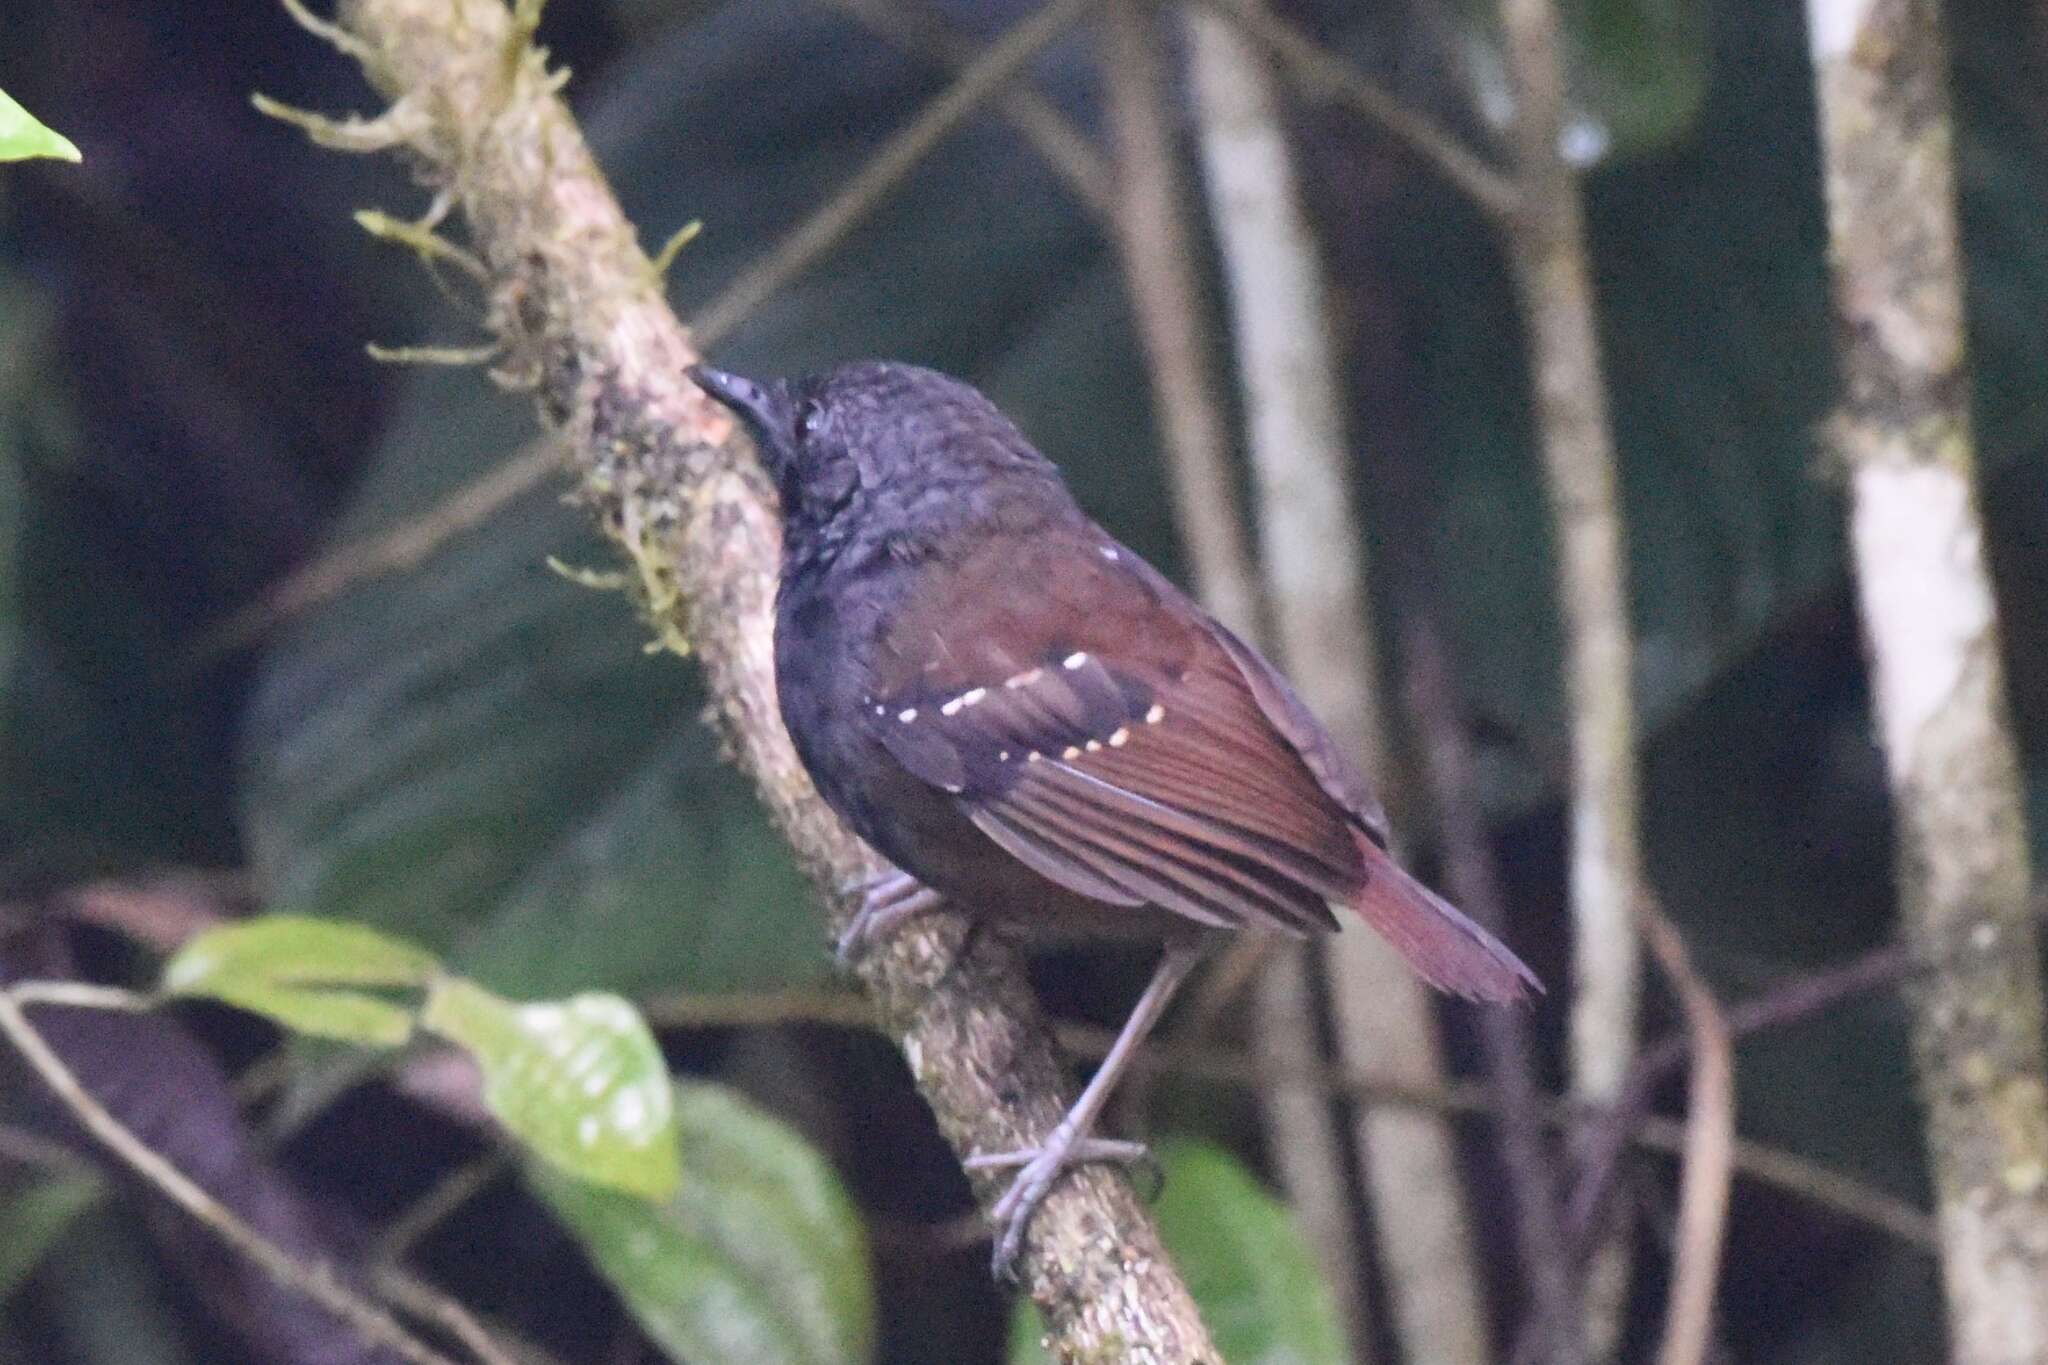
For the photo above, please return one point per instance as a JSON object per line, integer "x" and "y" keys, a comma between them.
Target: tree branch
{"x": 980, "y": 81}
{"x": 914, "y": 27}
{"x": 582, "y": 316}
{"x": 1546, "y": 244}
{"x": 1709, "y": 1150}
{"x": 1313, "y": 564}
{"x": 317, "y": 1282}
{"x": 1799, "y": 1176}
{"x": 1323, "y": 75}
{"x": 1155, "y": 248}
{"x": 1475, "y": 883}
{"x": 1902, "y": 429}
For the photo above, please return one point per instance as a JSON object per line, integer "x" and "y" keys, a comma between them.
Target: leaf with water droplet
{"x": 758, "y": 1259}
{"x": 580, "y": 1081}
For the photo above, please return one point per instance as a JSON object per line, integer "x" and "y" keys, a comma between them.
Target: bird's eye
{"x": 807, "y": 421}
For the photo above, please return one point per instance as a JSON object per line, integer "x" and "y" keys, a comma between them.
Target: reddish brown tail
{"x": 1444, "y": 947}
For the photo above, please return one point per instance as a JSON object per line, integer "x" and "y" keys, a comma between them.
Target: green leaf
{"x": 21, "y": 136}
{"x": 298, "y": 971}
{"x": 757, "y": 1259}
{"x": 32, "y": 1219}
{"x": 580, "y": 1081}
{"x": 1244, "y": 1261}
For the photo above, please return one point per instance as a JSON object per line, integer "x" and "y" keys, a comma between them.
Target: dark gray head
{"x": 875, "y": 429}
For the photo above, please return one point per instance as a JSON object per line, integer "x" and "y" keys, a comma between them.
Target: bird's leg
{"x": 886, "y": 901}
{"x": 1071, "y": 1142}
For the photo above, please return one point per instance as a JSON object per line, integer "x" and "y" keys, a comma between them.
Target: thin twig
{"x": 1474, "y": 877}
{"x": 1801, "y": 998}
{"x": 1323, "y": 75}
{"x": 1073, "y": 156}
{"x": 1705, "y": 1172}
{"x": 1800, "y": 1176}
{"x": 442, "y": 1199}
{"x": 424, "y": 1301}
{"x": 818, "y": 234}
{"x": 317, "y": 1282}
{"x": 402, "y": 548}
{"x": 163, "y": 911}
{"x": 81, "y": 995}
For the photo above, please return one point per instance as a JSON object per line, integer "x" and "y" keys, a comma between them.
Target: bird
{"x": 1032, "y": 724}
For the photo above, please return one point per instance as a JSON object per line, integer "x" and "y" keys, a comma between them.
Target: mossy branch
{"x": 577, "y": 305}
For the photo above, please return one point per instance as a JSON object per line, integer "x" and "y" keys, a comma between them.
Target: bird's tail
{"x": 1443, "y": 946}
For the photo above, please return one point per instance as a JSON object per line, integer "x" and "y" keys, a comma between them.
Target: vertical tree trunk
{"x": 1315, "y": 573}
{"x": 1547, "y": 245}
{"x": 1902, "y": 429}
{"x": 1156, "y": 250}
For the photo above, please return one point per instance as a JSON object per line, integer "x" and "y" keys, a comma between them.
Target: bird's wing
{"x": 1101, "y": 732}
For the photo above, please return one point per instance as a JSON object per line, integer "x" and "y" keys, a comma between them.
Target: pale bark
{"x": 583, "y": 321}
{"x": 1312, "y": 556}
{"x": 1155, "y": 247}
{"x": 1902, "y": 428}
{"x": 1546, "y": 242}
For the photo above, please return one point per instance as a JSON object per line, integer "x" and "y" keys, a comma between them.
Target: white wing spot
{"x": 1156, "y": 714}
{"x": 1075, "y": 660}
{"x": 951, "y": 708}
{"x": 1119, "y": 737}
{"x": 1094, "y": 746}
{"x": 1026, "y": 678}
{"x": 907, "y": 714}
{"x": 1072, "y": 752}
{"x": 880, "y": 709}
{"x": 1033, "y": 756}
{"x": 1109, "y": 553}
{"x": 1003, "y": 757}
{"x": 972, "y": 696}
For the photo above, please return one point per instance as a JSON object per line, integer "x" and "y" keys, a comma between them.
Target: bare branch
{"x": 1902, "y": 429}
{"x": 1546, "y": 243}
{"x": 1160, "y": 269}
{"x": 577, "y": 303}
{"x": 915, "y": 28}
{"x": 1313, "y": 563}
{"x": 405, "y": 546}
{"x": 1156, "y": 250}
{"x": 1800, "y": 1176}
{"x": 317, "y": 1282}
{"x": 804, "y": 246}
{"x": 1323, "y": 75}
{"x": 1475, "y": 883}
{"x": 1709, "y": 1150}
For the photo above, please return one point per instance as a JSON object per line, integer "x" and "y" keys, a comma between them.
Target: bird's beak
{"x": 748, "y": 400}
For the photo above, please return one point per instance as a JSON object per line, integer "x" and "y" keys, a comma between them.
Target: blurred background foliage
{"x": 478, "y": 753}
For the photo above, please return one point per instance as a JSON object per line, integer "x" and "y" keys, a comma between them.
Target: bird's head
{"x": 873, "y": 427}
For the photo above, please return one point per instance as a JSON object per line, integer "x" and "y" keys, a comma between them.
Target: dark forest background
{"x": 475, "y": 752}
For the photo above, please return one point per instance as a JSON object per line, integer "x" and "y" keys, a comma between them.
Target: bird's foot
{"x": 1038, "y": 1170}
{"x": 886, "y": 901}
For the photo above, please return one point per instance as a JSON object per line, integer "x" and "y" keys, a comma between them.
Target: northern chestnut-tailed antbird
{"x": 1035, "y": 726}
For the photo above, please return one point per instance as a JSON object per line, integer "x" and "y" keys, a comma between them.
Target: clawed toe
{"x": 1037, "y": 1172}
{"x": 886, "y": 901}
{"x": 1087, "y": 1149}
